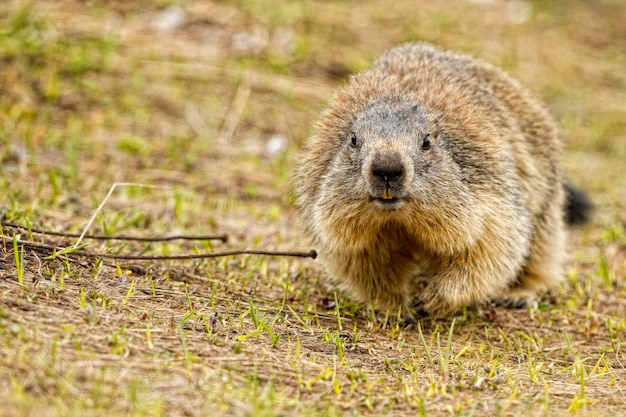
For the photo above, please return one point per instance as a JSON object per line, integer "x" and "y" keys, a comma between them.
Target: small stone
{"x": 275, "y": 146}
{"x": 170, "y": 19}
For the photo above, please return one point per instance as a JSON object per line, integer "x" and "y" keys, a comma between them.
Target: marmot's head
{"x": 393, "y": 156}
{"x": 388, "y": 163}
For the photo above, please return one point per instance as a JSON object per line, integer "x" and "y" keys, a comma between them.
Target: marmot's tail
{"x": 578, "y": 207}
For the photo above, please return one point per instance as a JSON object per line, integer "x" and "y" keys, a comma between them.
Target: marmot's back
{"x": 432, "y": 162}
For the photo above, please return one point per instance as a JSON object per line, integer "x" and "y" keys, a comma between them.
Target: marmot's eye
{"x": 426, "y": 143}
{"x": 353, "y": 140}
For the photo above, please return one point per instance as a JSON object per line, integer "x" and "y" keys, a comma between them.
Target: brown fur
{"x": 479, "y": 213}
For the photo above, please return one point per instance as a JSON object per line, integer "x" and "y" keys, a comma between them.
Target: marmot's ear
{"x": 415, "y": 107}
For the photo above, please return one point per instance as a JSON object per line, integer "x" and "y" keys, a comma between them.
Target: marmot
{"x": 434, "y": 164}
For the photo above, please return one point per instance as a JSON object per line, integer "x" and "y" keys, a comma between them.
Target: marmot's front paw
{"x": 418, "y": 309}
{"x": 434, "y": 302}
{"x": 516, "y": 299}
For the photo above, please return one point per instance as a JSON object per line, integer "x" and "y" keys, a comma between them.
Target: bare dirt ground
{"x": 206, "y": 104}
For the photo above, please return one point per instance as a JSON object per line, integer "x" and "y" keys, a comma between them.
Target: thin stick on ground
{"x": 223, "y": 238}
{"x": 309, "y": 254}
{"x": 80, "y": 252}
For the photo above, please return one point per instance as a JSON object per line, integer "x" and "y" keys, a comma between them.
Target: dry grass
{"x": 94, "y": 93}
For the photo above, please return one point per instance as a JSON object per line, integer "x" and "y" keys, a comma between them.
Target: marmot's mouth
{"x": 388, "y": 203}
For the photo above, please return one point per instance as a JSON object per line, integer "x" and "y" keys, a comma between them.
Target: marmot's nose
{"x": 387, "y": 173}
{"x": 387, "y": 167}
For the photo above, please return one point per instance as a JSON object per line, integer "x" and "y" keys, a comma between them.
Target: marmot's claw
{"x": 515, "y": 304}
{"x": 409, "y": 323}
{"x": 512, "y": 304}
{"x": 419, "y": 310}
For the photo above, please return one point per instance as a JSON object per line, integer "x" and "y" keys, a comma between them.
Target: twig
{"x": 84, "y": 253}
{"x": 310, "y": 254}
{"x": 223, "y": 238}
